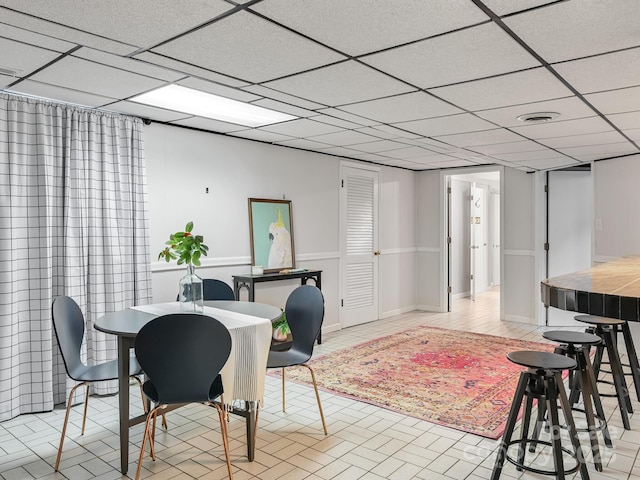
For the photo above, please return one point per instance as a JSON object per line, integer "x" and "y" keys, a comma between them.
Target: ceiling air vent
{"x": 538, "y": 117}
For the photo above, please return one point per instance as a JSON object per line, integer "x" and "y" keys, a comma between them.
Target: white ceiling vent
{"x": 538, "y": 117}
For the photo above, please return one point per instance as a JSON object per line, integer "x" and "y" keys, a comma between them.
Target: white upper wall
{"x": 183, "y": 163}
{"x": 616, "y": 197}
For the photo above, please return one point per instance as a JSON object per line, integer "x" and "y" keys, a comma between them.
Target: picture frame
{"x": 271, "y": 233}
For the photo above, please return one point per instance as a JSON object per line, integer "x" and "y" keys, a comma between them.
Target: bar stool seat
{"x": 577, "y": 345}
{"x": 607, "y": 329}
{"x": 542, "y": 381}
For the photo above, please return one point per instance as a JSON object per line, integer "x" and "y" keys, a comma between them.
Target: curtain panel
{"x": 73, "y": 221}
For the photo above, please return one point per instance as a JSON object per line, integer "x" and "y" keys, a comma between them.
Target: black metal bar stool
{"x": 607, "y": 329}
{"x": 577, "y": 345}
{"x": 542, "y": 381}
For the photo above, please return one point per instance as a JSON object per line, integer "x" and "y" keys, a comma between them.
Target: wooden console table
{"x": 610, "y": 290}
{"x": 249, "y": 281}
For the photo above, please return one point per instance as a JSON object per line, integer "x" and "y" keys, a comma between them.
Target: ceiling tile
{"x": 264, "y": 51}
{"x": 487, "y": 137}
{"x": 568, "y": 30}
{"x": 303, "y": 143}
{"x": 555, "y": 128}
{"x": 633, "y": 134}
{"x": 583, "y": 140}
{"x": 568, "y": 108}
{"x": 142, "y": 23}
{"x": 261, "y": 135}
{"x": 6, "y": 80}
{"x": 504, "y": 7}
{"x": 343, "y": 138}
{"x": 33, "y": 38}
{"x": 339, "y": 151}
{"x": 595, "y": 74}
{"x": 409, "y": 106}
{"x": 378, "y": 146}
{"x": 61, "y": 94}
{"x": 552, "y": 163}
{"x": 301, "y": 128}
{"x": 369, "y": 25}
{"x": 59, "y": 31}
{"x": 346, "y": 82}
{"x": 515, "y": 88}
{"x": 481, "y": 51}
{"x": 283, "y": 97}
{"x": 509, "y": 147}
{"x": 338, "y": 122}
{"x": 128, "y": 64}
{"x": 626, "y": 120}
{"x": 433, "y": 127}
{"x": 397, "y": 132}
{"x": 187, "y": 69}
{"x": 409, "y": 153}
{"x": 616, "y": 101}
{"x": 94, "y": 78}
{"x": 530, "y": 156}
{"x": 594, "y": 152}
{"x": 23, "y": 58}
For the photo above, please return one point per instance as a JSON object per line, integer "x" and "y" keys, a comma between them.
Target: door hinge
{"x": 449, "y": 190}
{"x": 342, "y": 183}
{"x": 342, "y": 302}
{"x": 546, "y": 189}
{"x": 471, "y": 276}
{"x": 449, "y": 289}
{"x": 448, "y": 239}
{"x": 546, "y": 246}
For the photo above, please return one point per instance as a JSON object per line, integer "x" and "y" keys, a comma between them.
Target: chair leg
{"x": 145, "y": 405}
{"x": 315, "y": 387}
{"x": 225, "y": 438}
{"x": 147, "y": 433}
{"x": 86, "y": 404}
{"x": 64, "y": 426}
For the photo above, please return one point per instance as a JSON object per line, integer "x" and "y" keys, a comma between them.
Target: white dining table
{"x": 243, "y": 376}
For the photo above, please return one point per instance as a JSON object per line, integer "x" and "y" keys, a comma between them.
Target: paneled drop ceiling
{"x": 417, "y": 84}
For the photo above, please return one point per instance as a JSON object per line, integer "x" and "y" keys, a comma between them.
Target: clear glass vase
{"x": 191, "y": 297}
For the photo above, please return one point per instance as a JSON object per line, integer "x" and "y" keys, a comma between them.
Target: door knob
{"x": 376, "y": 253}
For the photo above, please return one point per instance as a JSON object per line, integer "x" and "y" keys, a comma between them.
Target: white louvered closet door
{"x": 359, "y": 246}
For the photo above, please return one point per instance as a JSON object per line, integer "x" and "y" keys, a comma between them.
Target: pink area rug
{"x": 458, "y": 379}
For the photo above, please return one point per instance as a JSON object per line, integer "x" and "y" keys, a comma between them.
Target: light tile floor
{"x": 364, "y": 442}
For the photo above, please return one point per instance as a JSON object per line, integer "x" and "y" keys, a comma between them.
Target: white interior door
{"x": 478, "y": 241}
{"x": 494, "y": 220}
{"x": 359, "y": 246}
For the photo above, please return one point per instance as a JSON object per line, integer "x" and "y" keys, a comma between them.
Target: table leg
{"x": 252, "y": 410}
{"x": 124, "y": 346}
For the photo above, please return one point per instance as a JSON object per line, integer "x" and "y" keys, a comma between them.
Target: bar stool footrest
{"x": 539, "y": 471}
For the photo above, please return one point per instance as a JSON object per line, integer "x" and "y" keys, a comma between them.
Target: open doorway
{"x": 473, "y": 239}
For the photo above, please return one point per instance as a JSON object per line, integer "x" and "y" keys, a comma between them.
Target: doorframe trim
{"x": 443, "y": 226}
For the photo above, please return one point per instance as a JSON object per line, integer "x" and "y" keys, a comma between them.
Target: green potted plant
{"x": 281, "y": 328}
{"x": 184, "y": 246}
{"x": 187, "y": 248}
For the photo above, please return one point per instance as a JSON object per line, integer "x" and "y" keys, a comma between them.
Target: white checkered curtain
{"x": 73, "y": 221}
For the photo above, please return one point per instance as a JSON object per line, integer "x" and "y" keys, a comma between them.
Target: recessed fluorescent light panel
{"x": 202, "y": 104}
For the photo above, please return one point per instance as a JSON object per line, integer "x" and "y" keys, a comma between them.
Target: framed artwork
{"x": 271, "y": 230}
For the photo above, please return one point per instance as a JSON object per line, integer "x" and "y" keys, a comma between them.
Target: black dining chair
{"x": 182, "y": 355}
{"x": 305, "y": 311}
{"x": 214, "y": 289}
{"x": 68, "y": 325}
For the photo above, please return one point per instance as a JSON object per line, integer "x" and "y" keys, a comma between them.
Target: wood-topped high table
{"x": 610, "y": 290}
